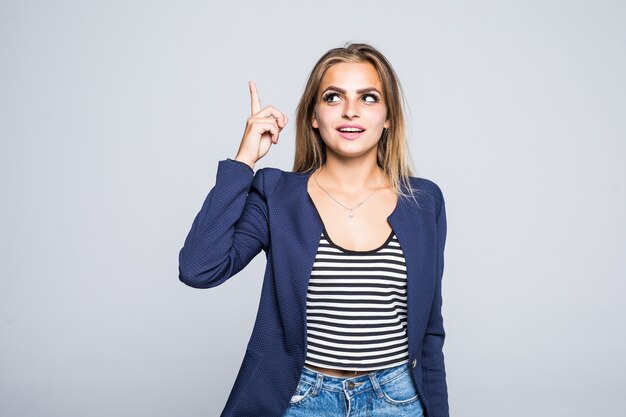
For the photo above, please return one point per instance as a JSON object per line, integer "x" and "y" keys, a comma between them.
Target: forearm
{"x": 229, "y": 230}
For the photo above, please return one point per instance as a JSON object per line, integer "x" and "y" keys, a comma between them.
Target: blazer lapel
{"x": 414, "y": 232}
{"x": 298, "y": 240}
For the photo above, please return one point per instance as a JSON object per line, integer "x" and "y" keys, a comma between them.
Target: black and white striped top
{"x": 357, "y": 307}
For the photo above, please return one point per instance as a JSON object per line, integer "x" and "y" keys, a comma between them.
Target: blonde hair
{"x": 393, "y": 153}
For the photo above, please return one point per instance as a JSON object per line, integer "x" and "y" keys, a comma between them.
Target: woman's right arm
{"x": 233, "y": 224}
{"x": 230, "y": 229}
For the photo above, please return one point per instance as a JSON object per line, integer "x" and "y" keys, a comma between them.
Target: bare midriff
{"x": 337, "y": 372}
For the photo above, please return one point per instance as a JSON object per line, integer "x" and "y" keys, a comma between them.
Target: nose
{"x": 350, "y": 110}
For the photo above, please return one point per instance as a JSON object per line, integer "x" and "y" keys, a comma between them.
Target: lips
{"x": 350, "y": 126}
{"x": 350, "y": 131}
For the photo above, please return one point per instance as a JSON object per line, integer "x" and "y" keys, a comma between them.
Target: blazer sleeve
{"x": 434, "y": 372}
{"x": 231, "y": 228}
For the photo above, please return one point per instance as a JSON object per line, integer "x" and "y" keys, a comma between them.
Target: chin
{"x": 351, "y": 149}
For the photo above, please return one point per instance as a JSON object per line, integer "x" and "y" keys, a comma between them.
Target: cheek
{"x": 377, "y": 116}
{"x": 325, "y": 118}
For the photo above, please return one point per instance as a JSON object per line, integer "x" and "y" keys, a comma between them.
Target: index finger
{"x": 255, "y": 103}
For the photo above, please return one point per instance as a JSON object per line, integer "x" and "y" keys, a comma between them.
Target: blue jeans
{"x": 383, "y": 393}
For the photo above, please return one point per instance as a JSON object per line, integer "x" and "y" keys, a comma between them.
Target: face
{"x": 350, "y": 112}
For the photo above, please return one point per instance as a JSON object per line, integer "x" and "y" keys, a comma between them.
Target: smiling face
{"x": 350, "y": 112}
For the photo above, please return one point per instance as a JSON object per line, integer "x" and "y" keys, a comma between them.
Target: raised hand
{"x": 262, "y": 129}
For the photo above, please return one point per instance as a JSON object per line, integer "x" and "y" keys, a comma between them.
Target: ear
{"x": 387, "y": 124}
{"x": 314, "y": 121}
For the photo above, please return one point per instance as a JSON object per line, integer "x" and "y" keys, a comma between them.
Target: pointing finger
{"x": 255, "y": 103}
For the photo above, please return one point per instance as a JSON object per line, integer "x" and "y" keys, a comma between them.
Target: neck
{"x": 350, "y": 175}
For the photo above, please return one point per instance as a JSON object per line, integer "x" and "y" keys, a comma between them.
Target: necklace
{"x": 351, "y": 214}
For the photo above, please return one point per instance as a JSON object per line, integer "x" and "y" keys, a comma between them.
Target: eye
{"x": 371, "y": 98}
{"x": 328, "y": 97}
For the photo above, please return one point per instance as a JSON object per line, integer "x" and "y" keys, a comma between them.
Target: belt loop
{"x": 375, "y": 384}
{"x": 318, "y": 384}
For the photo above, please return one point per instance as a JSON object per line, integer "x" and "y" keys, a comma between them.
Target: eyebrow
{"x": 363, "y": 90}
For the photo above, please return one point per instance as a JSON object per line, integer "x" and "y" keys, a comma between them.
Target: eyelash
{"x": 327, "y": 96}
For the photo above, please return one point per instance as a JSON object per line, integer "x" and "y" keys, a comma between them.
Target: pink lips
{"x": 350, "y": 135}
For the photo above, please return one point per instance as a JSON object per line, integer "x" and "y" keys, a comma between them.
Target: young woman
{"x": 349, "y": 322}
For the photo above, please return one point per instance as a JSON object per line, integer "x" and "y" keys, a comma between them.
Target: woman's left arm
{"x": 433, "y": 367}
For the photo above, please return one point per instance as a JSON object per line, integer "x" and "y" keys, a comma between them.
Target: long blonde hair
{"x": 393, "y": 153}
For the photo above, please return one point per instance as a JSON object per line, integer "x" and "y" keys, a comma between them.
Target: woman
{"x": 349, "y": 322}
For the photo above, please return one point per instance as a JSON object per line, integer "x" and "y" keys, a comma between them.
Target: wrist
{"x": 243, "y": 161}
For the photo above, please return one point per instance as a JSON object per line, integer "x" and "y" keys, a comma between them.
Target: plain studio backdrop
{"x": 114, "y": 115}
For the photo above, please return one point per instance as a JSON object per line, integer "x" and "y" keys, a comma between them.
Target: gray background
{"x": 114, "y": 115}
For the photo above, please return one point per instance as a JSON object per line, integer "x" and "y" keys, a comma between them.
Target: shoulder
{"x": 266, "y": 180}
{"x": 426, "y": 191}
{"x": 425, "y": 185}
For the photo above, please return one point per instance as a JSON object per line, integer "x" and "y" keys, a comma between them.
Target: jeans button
{"x": 350, "y": 385}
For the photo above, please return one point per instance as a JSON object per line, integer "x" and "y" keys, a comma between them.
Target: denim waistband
{"x": 354, "y": 384}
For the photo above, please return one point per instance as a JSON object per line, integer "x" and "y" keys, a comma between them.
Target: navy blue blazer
{"x": 270, "y": 210}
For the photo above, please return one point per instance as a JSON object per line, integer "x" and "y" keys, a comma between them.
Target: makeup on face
{"x": 351, "y": 104}
{"x": 370, "y": 94}
{"x": 350, "y": 131}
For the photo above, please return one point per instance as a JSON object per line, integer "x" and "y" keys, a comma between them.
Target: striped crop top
{"x": 357, "y": 306}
